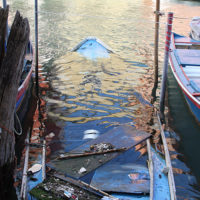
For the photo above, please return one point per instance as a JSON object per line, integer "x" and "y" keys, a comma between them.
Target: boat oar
{"x": 90, "y": 153}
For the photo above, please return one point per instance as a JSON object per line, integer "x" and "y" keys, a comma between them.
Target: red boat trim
{"x": 196, "y": 94}
{"x": 184, "y": 73}
{"x": 23, "y": 87}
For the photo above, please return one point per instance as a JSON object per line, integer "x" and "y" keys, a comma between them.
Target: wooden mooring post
{"x": 156, "y": 43}
{"x": 165, "y": 67}
{"x": 11, "y": 64}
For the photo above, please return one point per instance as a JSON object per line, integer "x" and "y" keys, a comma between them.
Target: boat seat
{"x": 189, "y": 57}
{"x": 195, "y": 86}
{"x": 192, "y": 71}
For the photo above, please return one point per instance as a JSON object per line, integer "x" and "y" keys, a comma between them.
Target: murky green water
{"x": 85, "y": 95}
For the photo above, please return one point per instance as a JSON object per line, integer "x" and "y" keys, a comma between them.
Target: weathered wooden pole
{"x": 3, "y": 25}
{"x": 36, "y": 48}
{"x": 10, "y": 73}
{"x": 156, "y": 42}
{"x": 165, "y": 67}
{"x": 5, "y": 6}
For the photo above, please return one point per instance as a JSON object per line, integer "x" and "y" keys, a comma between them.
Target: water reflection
{"x": 82, "y": 95}
{"x": 91, "y": 95}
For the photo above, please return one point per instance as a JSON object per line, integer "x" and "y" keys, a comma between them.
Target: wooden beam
{"x": 3, "y": 30}
{"x": 172, "y": 186}
{"x": 150, "y": 166}
{"x": 10, "y": 73}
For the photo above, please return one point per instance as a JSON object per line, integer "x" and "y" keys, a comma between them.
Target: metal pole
{"x": 36, "y": 48}
{"x": 4, "y": 4}
{"x": 165, "y": 68}
{"x": 156, "y": 40}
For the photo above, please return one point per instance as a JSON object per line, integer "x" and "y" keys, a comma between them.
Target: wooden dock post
{"x": 156, "y": 40}
{"x": 36, "y": 49}
{"x": 165, "y": 67}
{"x": 3, "y": 27}
{"x": 10, "y": 73}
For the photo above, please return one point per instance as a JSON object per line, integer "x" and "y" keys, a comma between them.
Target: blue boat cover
{"x": 123, "y": 178}
{"x": 188, "y": 56}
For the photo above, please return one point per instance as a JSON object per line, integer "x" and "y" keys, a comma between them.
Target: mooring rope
{"x": 20, "y": 126}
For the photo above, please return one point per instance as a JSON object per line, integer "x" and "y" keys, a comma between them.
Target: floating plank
{"x": 123, "y": 178}
{"x": 160, "y": 185}
{"x": 119, "y": 137}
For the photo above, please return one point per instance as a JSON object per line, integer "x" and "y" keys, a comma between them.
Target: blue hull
{"x": 195, "y": 111}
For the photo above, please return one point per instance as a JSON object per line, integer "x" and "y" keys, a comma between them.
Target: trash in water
{"x": 70, "y": 195}
{"x": 82, "y": 170}
{"x": 35, "y": 168}
{"x": 108, "y": 198}
{"x": 101, "y": 147}
{"x": 90, "y": 134}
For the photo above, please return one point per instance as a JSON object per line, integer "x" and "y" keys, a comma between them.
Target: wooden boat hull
{"x": 185, "y": 65}
{"x": 24, "y": 90}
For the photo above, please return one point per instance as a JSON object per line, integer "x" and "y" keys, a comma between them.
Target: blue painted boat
{"x": 185, "y": 65}
{"x": 93, "y": 48}
{"x": 26, "y": 76}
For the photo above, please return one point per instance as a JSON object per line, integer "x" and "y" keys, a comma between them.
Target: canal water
{"x": 79, "y": 94}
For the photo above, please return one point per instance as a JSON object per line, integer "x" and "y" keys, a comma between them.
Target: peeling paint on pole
{"x": 165, "y": 68}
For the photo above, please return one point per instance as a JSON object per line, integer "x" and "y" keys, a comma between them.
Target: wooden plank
{"x": 84, "y": 185}
{"x": 23, "y": 192}
{"x": 44, "y": 160}
{"x": 10, "y": 73}
{"x": 3, "y": 30}
{"x": 119, "y": 137}
{"x": 168, "y": 163}
{"x": 150, "y": 165}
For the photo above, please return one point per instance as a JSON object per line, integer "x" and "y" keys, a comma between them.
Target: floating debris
{"x": 82, "y": 170}
{"x": 101, "y": 147}
{"x": 91, "y": 134}
{"x": 35, "y": 168}
{"x": 56, "y": 188}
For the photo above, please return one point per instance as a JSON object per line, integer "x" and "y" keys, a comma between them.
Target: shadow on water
{"x": 186, "y": 142}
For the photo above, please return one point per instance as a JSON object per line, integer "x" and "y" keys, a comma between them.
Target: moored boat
{"x": 185, "y": 65}
{"x": 24, "y": 89}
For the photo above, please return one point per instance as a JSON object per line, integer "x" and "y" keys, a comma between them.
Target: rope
{"x": 20, "y": 126}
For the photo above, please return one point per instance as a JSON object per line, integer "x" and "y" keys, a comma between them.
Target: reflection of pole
{"x": 36, "y": 48}
{"x": 165, "y": 68}
{"x": 156, "y": 39}
{"x": 4, "y": 4}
